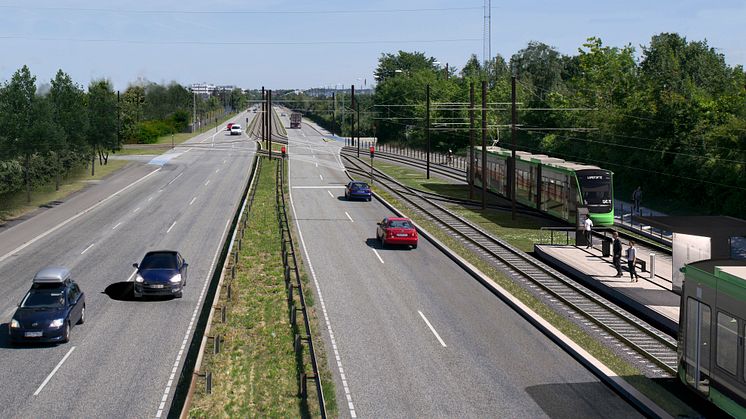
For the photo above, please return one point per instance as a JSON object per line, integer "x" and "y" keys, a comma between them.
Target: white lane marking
{"x": 167, "y": 390}
{"x": 174, "y": 179}
{"x": 132, "y": 275}
{"x": 150, "y": 198}
{"x": 172, "y": 226}
{"x": 54, "y": 371}
{"x": 432, "y": 329}
{"x": 319, "y": 187}
{"x": 192, "y": 201}
{"x": 217, "y": 170}
{"x": 317, "y": 165}
{"x": 74, "y": 217}
{"x": 87, "y": 248}
{"x": 348, "y": 216}
{"x": 377, "y": 255}
{"x": 323, "y": 307}
{"x": 321, "y": 177}
{"x": 224, "y": 161}
{"x": 115, "y": 227}
{"x": 330, "y": 194}
{"x": 208, "y": 182}
{"x": 136, "y": 209}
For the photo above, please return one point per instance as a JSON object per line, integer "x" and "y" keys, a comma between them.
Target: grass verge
{"x": 14, "y": 205}
{"x": 167, "y": 140}
{"x": 630, "y": 373}
{"x": 256, "y": 372}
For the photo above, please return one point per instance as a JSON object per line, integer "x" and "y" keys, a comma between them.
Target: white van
{"x": 236, "y": 129}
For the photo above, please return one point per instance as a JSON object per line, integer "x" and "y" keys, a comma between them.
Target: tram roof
{"x": 543, "y": 159}
{"x": 733, "y": 267}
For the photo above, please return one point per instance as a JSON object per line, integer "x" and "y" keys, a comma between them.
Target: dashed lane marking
{"x": 432, "y": 329}
{"x": 377, "y": 255}
{"x": 54, "y": 371}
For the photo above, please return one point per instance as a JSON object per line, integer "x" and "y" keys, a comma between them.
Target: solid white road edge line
{"x": 350, "y": 405}
{"x": 348, "y": 216}
{"x": 379, "y": 256}
{"x": 76, "y": 216}
{"x": 51, "y": 374}
{"x": 432, "y": 329}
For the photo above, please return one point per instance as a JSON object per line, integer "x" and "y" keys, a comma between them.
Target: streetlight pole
{"x": 471, "y": 140}
{"x": 484, "y": 144}
{"x": 513, "y": 134}
{"x": 427, "y": 126}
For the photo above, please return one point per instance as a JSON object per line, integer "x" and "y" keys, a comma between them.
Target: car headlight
{"x": 57, "y": 323}
{"x": 139, "y": 278}
{"x": 176, "y": 278}
{"x": 14, "y": 324}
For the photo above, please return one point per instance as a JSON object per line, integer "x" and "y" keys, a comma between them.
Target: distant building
{"x": 203, "y": 89}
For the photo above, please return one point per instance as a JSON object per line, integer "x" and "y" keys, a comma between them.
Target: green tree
{"x": 102, "y": 117}
{"x": 67, "y": 101}
{"x": 405, "y": 62}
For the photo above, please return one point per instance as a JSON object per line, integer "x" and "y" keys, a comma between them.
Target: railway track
{"x": 583, "y": 306}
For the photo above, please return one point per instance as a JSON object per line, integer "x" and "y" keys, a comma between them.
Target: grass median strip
{"x": 255, "y": 374}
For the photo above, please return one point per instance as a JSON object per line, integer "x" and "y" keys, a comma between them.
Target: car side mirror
{"x": 186, "y": 265}
{"x": 136, "y": 266}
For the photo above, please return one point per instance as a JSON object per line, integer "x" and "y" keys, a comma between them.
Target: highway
{"x": 124, "y": 361}
{"x": 410, "y": 334}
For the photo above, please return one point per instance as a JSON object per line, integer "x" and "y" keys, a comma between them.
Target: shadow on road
{"x": 6, "y": 343}
{"x": 125, "y": 291}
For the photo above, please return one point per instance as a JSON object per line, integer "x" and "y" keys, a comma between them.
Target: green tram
{"x": 712, "y": 327}
{"x": 551, "y": 185}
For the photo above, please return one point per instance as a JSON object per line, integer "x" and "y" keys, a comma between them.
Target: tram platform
{"x": 651, "y": 299}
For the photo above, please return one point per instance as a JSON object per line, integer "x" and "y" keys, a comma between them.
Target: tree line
{"x": 47, "y": 132}
{"x": 669, "y": 116}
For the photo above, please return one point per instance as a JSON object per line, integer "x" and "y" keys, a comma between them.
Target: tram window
{"x": 727, "y": 343}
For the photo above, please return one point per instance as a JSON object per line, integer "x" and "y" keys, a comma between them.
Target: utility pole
{"x": 194, "y": 112}
{"x": 261, "y": 112}
{"x": 484, "y": 144}
{"x": 269, "y": 123}
{"x": 352, "y": 127}
{"x": 334, "y": 99}
{"x": 513, "y": 134}
{"x": 446, "y": 71}
{"x": 471, "y": 140}
{"x": 357, "y": 110}
{"x": 427, "y": 126}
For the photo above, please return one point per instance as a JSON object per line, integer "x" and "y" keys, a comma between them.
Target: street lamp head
{"x": 398, "y": 71}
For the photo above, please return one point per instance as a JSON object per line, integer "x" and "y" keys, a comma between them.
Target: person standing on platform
{"x": 617, "y": 255}
{"x": 588, "y": 232}
{"x": 636, "y": 198}
{"x": 631, "y": 259}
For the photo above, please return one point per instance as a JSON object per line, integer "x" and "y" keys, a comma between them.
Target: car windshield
{"x": 44, "y": 299}
{"x": 159, "y": 261}
{"x": 400, "y": 224}
{"x": 356, "y": 186}
{"x": 236, "y": 127}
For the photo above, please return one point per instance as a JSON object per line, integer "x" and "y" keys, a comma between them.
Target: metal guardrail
{"x": 295, "y": 298}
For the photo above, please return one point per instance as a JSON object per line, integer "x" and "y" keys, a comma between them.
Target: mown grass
{"x": 256, "y": 373}
{"x": 14, "y": 205}
{"x": 630, "y": 373}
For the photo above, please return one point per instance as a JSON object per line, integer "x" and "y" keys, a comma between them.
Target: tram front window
{"x": 595, "y": 188}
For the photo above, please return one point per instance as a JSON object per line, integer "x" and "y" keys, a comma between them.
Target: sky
{"x": 324, "y": 43}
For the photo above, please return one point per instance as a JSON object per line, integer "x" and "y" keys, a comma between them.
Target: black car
{"x": 50, "y": 308}
{"x": 359, "y": 190}
{"x": 161, "y": 273}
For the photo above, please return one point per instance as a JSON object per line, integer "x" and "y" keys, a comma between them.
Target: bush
{"x": 148, "y": 132}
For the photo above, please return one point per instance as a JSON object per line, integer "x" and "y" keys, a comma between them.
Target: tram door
{"x": 697, "y": 357}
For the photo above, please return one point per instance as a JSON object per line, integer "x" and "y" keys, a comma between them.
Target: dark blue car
{"x": 161, "y": 273}
{"x": 358, "y": 190}
{"x": 50, "y": 309}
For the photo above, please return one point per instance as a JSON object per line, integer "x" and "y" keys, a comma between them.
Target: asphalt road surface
{"x": 124, "y": 361}
{"x": 408, "y": 333}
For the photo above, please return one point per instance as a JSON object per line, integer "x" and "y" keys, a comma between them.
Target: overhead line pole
{"x": 471, "y": 140}
{"x": 264, "y": 118}
{"x": 269, "y": 124}
{"x": 484, "y": 144}
{"x": 513, "y": 134}
{"x": 427, "y": 126}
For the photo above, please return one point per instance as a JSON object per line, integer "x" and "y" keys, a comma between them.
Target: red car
{"x": 397, "y": 231}
{"x": 228, "y": 128}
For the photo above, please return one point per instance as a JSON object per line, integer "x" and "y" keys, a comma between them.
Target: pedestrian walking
{"x": 617, "y": 255}
{"x": 636, "y": 198}
{"x": 631, "y": 259}
{"x": 588, "y": 232}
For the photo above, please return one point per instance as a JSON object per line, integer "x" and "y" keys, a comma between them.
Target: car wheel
{"x": 66, "y": 335}
{"x": 82, "y": 315}
{"x": 414, "y": 246}
{"x": 369, "y": 199}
